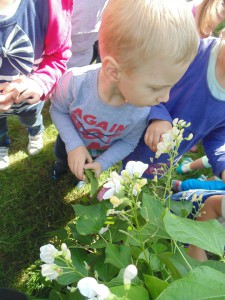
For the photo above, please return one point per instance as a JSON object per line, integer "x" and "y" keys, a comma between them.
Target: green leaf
{"x": 106, "y": 272}
{"x": 201, "y": 283}
{"x": 114, "y": 231}
{"x": 208, "y": 235}
{"x": 118, "y": 280}
{"x": 155, "y": 285}
{"x": 152, "y": 211}
{"x": 180, "y": 208}
{"x": 90, "y": 218}
{"x": 118, "y": 256}
{"x": 167, "y": 260}
{"x": 134, "y": 293}
{"x": 93, "y": 181}
{"x": 151, "y": 208}
{"x": 54, "y": 295}
{"x": 70, "y": 276}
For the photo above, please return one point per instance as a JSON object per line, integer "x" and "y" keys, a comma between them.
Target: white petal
{"x": 87, "y": 286}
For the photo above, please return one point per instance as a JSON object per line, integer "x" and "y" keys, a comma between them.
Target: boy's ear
{"x": 111, "y": 68}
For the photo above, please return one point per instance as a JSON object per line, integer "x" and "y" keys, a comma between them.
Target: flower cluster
{"x": 48, "y": 253}
{"x": 172, "y": 139}
{"x": 130, "y": 177}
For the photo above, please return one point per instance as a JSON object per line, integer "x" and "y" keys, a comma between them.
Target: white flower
{"x": 90, "y": 288}
{"x": 130, "y": 273}
{"x": 161, "y": 148}
{"x": 175, "y": 121}
{"x": 136, "y": 168}
{"x": 66, "y": 252}
{"x": 48, "y": 252}
{"x": 52, "y": 271}
{"x": 103, "y": 230}
{"x": 87, "y": 286}
{"x": 102, "y": 292}
{"x": 113, "y": 185}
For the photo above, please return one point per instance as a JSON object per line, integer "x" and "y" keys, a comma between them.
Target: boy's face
{"x": 150, "y": 84}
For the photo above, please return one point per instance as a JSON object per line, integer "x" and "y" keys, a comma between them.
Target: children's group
{"x": 117, "y": 73}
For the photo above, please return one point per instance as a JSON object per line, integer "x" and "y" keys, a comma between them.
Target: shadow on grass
{"x": 31, "y": 206}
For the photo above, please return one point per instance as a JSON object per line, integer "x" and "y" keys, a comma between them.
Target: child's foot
{"x": 176, "y": 186}
{"x": 202, "y": 177}
{"x": 4, "y": 158}
{"x": 58, "y": 170}
{"x": 184, "y": 167}
{"x": 35, "y": 144}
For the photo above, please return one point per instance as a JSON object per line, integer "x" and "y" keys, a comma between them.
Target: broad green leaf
{"x": 183, "y": 263}
{"x": 90, "y": 218}
{"x": 135, "y": 292}
{"x": 55, "y": 295}
{"x": 118, "y": 256}
{"x": 93, "y": 181}
{"x": 106, "y": 272}
{"x": 200, "y": 283}
{"x": 167, "y": 260}
{"x": 151, "y": 208}
{"x": 158, "y": 247}
{"x": 180, "y": 208}
{"x": 155, "y": 285}
{"x": 152, "y": 211}
{"x": 155, "y": 263}
{"x": 75, "y": 296}
{"x": 114, "y": 233}
{"x": 149, "y": 232}
{"x": 70, "y": 276}
{"x": 82, "y": 239}
{"x": 209, "y": 235}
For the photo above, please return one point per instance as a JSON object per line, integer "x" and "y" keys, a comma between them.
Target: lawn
{"x": 33, "y": 207}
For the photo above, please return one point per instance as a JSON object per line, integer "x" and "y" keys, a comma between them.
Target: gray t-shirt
{"x": 110, "y": 133}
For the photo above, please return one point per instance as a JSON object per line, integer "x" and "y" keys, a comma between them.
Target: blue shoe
{"x": 58, "y": 170}
{"x": 187, "y": 160}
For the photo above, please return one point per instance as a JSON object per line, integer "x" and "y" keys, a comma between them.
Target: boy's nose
{"x": 165, "y": 97}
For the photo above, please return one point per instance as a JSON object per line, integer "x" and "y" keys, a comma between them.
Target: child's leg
{"x": 191, "y": 184}
{"x": 197, "y": 164}
{"x": 4, "y": 143}
{"x": 60, "y": 167}
{"x": 214, "y": 207}
{"x": 33, "y": 120}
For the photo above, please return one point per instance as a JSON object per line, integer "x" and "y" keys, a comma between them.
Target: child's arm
{"x": 65, "y": 94}
{"x": 57, "y": 52}
{"x": 214, "y": 146}
{"x": 57, "y": 46}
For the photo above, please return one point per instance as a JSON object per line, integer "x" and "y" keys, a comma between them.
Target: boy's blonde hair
{"x": 134, "y": 31}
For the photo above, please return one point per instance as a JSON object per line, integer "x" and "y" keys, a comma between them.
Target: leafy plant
{"x": 131, "y": 244}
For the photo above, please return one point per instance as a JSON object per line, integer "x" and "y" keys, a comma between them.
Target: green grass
{"x": 31, "y": 204}
{"x": 33, "y": 207}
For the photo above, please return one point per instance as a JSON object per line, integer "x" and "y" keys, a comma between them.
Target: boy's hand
{"x": 27, "y": 89}
{"x": 154, "y": 133}
{"x": 95, "y": 167}
{"x": 76, "y": 161}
